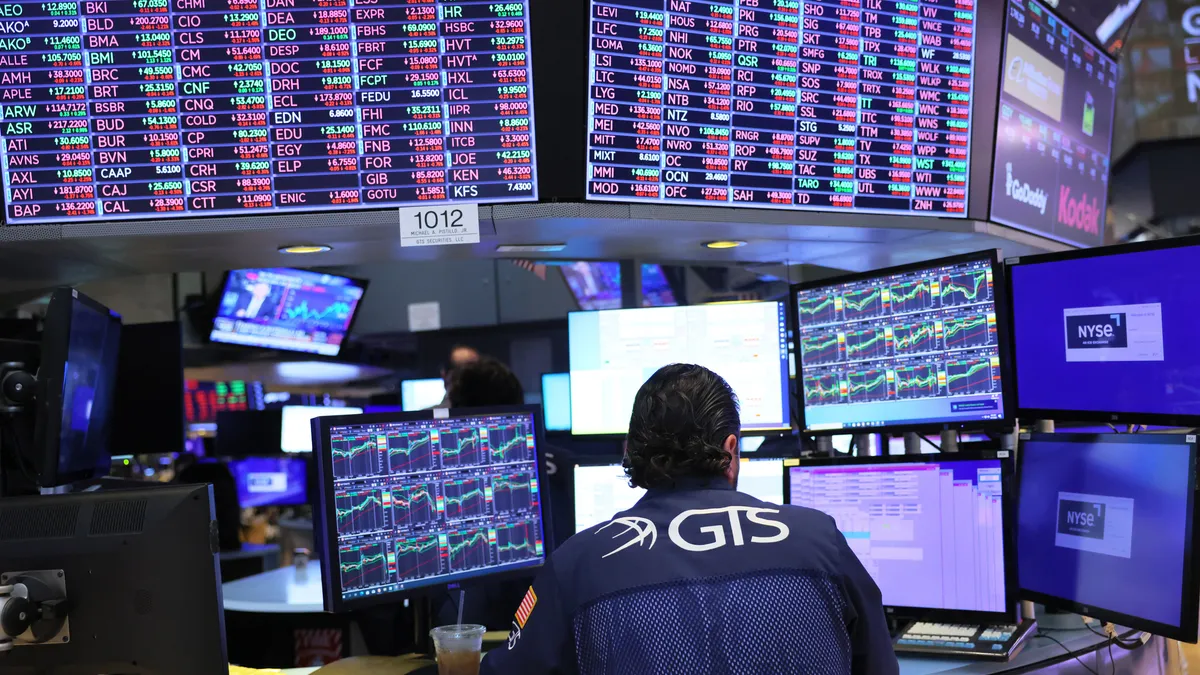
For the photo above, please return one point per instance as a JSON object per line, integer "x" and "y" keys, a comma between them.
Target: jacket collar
{"x": 686, "y": 483}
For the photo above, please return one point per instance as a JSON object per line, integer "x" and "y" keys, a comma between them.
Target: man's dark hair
{"x": 681, "y": 418}
{"x": 482, "y": 383}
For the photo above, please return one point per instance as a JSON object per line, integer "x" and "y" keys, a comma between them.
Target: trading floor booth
{"x": 882, "y": 223}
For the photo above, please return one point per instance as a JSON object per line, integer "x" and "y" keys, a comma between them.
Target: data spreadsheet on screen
{"x": 614, "y": 352}
{"x": 917, "y": 347}
{"x": 805, "y": 104}
{"x": 119, "y": 110}
{"x": 432, "y": 501}
{"x": 931, "y": 535}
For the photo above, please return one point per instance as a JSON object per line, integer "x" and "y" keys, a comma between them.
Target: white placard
{"x": 424, "y": 316}
{"x": 441, "y": 225}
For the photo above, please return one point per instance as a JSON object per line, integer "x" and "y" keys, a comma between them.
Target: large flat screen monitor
{"x": 292, "y": 310}
{"x": 296, "y": 434}
{"x": 556, "y": 401}
{"x": 228, "y": 109}
{"x": 1054, "y": 130}
{"x": 270, "y": 481}
{"x": 602, "y": 490}
{"x": 782, "y": 105}
{"x": 409, "y": 501}
{"x": 923, "y": 345}
{"x": 1105, "y": 528}
{"x": 929, "y": 529}
{"x": 614, "y": 352}
{"x": 1109, "y": 334}
{"x": 422, "y": 394}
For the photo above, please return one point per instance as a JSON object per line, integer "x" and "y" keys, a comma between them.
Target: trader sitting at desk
{"x": 697, "y": 577}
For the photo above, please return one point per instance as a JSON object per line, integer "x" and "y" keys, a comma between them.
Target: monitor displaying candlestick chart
{"x": 288, "y": 309}
{"x": 413, "y": 500}
{"x": 915, "y": 346}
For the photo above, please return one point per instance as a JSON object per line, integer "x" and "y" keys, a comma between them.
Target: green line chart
{"x": 467, "y": 549}
{"x": 866, "y": 385}
{"x": 965, "y": 289}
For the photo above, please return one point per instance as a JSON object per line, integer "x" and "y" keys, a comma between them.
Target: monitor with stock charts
{"x": 921, "y": 345}
{"x": 929, "y": 529}
{"x": 288, "y": 309}
{"x": 418, "y": 500}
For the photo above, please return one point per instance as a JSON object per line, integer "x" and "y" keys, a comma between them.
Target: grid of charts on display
{"x": 912, "y": 348}
{"x": 857, "y": 105}
{"x": 118, "y": 109}
{"x": 433, "y": 501}
{"x": 1054, "y": 131}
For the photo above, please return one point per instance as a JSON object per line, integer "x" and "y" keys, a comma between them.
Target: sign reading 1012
{"x": 440, "y": 225}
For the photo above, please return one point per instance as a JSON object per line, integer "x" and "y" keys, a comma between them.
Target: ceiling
{"x": 35, "y": 257}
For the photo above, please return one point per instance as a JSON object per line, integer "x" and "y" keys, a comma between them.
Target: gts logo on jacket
{"x": 716, "y": 532}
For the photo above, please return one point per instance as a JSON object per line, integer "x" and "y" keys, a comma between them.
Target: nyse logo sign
{"x": 1081, "y": 519}
{"x": 1097, "y": 331}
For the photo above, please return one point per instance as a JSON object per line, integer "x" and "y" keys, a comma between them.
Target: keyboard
{"x": 994, "y": 643}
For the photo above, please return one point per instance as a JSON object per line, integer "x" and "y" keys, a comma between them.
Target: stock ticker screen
{"x": 910, "y": 348}
{"x": 859, "y": 105}
{"x": 124, "y": 109}
{"x": 435, "y": 501}
{"x": 1054, "y": 130}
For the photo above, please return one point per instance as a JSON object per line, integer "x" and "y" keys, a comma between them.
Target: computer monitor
{"x": 141, "y": 580}
{"x": 602, "y": 490}
{"x": 1108, "y": 334}
{"x": 148, "y": 415}
{"x": 271, "y": 481}
{"x": 556, "y": 401}
{"x": 413, "y": 502}
{"x": 1105, "y": 528}
{"x": 296, "y": 432}
{"x": 614, "y": 352}
{"x": 929, "y": 529}
{"x": 246, "y": 433}
{"x": 909, "y": 347}
{"x": 76, "y": 385}
{"x": 422, "y": 394}
{"x": 288, "y": 309}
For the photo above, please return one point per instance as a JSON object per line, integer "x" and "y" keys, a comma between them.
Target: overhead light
{"x": 530, "y": 248}
{"x": 724, "y": 244}
{"x": 301, "y": 249}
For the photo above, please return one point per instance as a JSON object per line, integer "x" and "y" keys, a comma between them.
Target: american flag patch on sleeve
{"x": 526, "y": 607}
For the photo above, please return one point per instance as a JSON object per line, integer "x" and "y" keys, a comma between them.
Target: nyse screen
{"x": 124, "y": 109}
{"x": 859, "y": 105}
{"x": 1054, "y": 131}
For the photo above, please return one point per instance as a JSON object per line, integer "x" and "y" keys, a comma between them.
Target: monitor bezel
{"x": 786, "y": 389}
{"x": 361, "y": 283}
{"x": 325, "y": 517}
{"x": 1067, "y": 414}
{"x": 1008, "y": 506}
{"x": 1001, "y": 304}
{"x": 1189, "y": 609}
{"x": 549, "y": 431}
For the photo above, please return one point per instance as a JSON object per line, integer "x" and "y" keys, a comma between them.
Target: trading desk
{"x": 1039, "y": 656}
